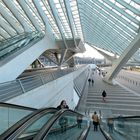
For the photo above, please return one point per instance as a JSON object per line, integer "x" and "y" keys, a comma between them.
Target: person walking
{"x": 92, "y": 81}
{"x": 104, "y": 95}
{"x": 89, "y": 80}
{"x": 95, "y": 119}
{"x": 110, "y": 125}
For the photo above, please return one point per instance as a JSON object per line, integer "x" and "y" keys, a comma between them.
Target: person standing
{"x": 95, "y": 119}
{"x": 79, "y": 121}
{"x": 63, "y": 105}
{"x": 104, "y": 95}
{"x": 63, "y": 121}
{"x": 110, "y": 125}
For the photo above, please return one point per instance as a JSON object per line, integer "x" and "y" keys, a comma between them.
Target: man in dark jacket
{"x": 104, "y": 95}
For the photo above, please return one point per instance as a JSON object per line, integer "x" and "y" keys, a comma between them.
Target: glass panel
{"x": 51, "y": 19}
{"x": 9, "y": 116}
{"x": 128, "y": 126}
{"x": 68, "y": 126}
{"x": 33, "y": 129}
{"x": 114, "y": 24}
{"x": 18, "y": 42}
{"x": 119, "y": 127}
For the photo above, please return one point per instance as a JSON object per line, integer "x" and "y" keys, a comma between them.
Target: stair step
{"x": 114, "y": 101}
{"x": 115, "y": 98}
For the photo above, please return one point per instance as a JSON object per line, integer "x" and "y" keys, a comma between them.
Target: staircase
{"x": 119, "y": 101}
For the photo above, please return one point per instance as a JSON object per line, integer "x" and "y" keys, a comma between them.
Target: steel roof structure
{"x": 107, "y": 24}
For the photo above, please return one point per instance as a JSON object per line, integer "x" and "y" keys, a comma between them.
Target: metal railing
{"x": 80, "y": 81}
{"x": 130, "y": 80}
{"x": 19, "y": 86}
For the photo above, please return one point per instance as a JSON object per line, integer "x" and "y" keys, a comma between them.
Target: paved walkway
{"x": 130, "y": 79}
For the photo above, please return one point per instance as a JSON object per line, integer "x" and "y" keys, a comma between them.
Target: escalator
{"x": 45, "y": 124}
{"x": 70, "y": 129}
{"x": 48, "y": 124}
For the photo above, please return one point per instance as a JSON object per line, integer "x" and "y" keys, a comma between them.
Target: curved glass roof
{"x": 108, "y": 24}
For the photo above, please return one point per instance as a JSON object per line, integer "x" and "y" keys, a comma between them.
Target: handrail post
{"x": 53, "y": 76}
{"x": 21, "y": 86}
{"x": 41, "y": 79}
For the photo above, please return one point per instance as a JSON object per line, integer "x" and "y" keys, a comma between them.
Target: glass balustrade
{"x": 69, "y": 126}
{"x": 125, "y": 128}
{"x": 10, "y": 115}
{"x": 60, "y": 125}
{"x": 16, "y": 43}
{"x": 128, "y": 127}
{"x": 35, "y": 125}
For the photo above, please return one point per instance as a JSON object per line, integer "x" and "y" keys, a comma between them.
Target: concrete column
{"x": 123, "y": 59}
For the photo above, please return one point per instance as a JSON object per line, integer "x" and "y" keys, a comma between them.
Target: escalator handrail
{"x": 105, "y": 134}
{"x": 46, "y": 128}
{"x": 124, "y": 117}
{"x": 84, "y": 133}
{"x": 9, "y": 105}
{"x": 24, "y": 123}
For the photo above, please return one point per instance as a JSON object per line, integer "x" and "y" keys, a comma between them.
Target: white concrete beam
{"x": 7, "y": 28}
{"x": 127, "y": 54}
{"x": 70, "y": 19}
{"x": 10, "y": 20}
{"x": 1, "y": 38}
{"x": 29, "y": 14}
{"x": 57, "y": 20}
{"x": 111, "y": 58}
{"x": 44, "y": 17}
{"x": 4, "y": 34}
{"x": 63, "y": 54}
{"x": 17, "y": 15}
{"x": 67, "y": 59}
